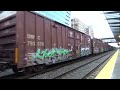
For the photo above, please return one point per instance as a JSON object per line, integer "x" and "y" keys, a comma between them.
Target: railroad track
{"x": 95, "y": 68}
{"x": 55, "y": 73}
{"x": 50, "y": 68}
{"x": 82, "y": 66}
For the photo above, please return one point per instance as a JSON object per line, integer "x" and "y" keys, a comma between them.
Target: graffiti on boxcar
{"x": 85, "y": 51}
{"x": 47, "y": 56}
{"x": 29, "y": 59}
{"x": 96, "y": 50}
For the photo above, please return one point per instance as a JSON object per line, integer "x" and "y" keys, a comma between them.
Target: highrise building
{"x": 80, "y": 26}
{"x": 63, "y": 17}
{"x": 91, "y": 33}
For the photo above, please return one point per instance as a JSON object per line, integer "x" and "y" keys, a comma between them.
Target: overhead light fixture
{"x": 119, "y": 36}
{"x": 118, "y": 43}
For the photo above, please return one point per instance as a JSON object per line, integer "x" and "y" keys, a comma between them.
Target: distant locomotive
{"x": 28, "y": 40}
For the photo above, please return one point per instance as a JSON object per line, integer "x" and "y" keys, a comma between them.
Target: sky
{"x": 95, "y": 19}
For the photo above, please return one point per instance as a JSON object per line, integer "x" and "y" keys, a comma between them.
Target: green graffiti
{"x": 52, "y": 53}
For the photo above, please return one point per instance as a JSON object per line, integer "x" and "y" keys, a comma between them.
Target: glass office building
{"x": 63, "y": 17}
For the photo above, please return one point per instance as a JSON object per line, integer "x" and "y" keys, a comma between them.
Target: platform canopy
{"x": 113, "y": 18}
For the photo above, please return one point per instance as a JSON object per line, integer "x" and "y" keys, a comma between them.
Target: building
{"x": 86, "y": 30}
{"x": 75, "y": 23}
{"x": 91, "y": 33}
{"x": 63, "y": 17}
{"x": 80, "y": 26}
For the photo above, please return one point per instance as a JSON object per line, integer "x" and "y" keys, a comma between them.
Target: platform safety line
{"x": 107, "y": 70}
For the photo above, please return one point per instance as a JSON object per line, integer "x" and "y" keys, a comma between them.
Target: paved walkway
{"x": 112, "y": 69}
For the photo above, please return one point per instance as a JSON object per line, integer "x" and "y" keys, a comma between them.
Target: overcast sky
{"x": 96, "y": 19}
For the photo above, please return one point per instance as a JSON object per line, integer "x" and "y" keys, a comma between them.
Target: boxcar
{"x": 85, "y": 45}
{"x": 97, "y": 46}
{"x": 28, "y": 39}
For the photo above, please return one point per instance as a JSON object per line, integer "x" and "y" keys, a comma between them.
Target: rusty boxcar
{"x": 28, "y": 39}
{"x": 98, "y": 46}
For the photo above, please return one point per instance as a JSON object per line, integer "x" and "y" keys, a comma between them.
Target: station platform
{"x": 112, "y": 69}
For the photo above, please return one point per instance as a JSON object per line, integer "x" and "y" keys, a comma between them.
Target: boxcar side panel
{"x": 88, "y": 45}
{"x": 30, "y": 32}
{"x": 63, "y": 37}
{"x": 20, "y": 38}
{"x": 59, "y": 36}
{"x": 48, "y": 37}
{"x": 96, "y": 48}
{"x": 70, "y": 33}
{"x": 82, "y": 45}
{"x": 54, "y": 35}
{"x": 82, "y": 40}
{"x": 71, "y": 42}
{"x": 71, "y": 46}
{"x": 77, "y": 43}
{"x": 66, "y": 37}
{"x": 39, "y": 32}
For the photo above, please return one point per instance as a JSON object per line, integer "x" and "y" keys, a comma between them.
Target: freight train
{"x": 28, "y": 40}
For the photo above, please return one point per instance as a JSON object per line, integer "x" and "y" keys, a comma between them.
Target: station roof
{"x": 113, "y": 18}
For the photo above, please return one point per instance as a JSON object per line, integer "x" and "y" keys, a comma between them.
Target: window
{"x": 68, "y": 16}
{"x": 66, "y": 23}
{"x": 67, "y": 20}
{"x": 68, "y": 13}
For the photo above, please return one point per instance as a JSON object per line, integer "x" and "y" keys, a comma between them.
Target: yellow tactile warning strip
{"x": 106, "y": 72}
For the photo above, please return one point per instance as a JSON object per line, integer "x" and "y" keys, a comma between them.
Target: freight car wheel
{"x": 16, "y": 70}
{"x": 41, "y": 67}
{"x": 4, "y": 66}
{"x": 29, "y": 70}
{"x": 34, "y": 69}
